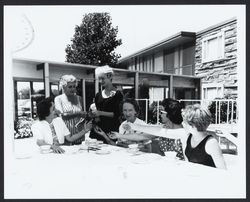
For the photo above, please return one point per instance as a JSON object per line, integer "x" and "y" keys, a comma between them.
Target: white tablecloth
{"x": 116, "y": 175}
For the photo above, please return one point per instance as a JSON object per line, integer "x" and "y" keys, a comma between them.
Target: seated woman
{"x": 200, "y": 147}
{"x": 130, "y": 110}
{"x": 53, "y": 131}
{"x": 172, "y": 119}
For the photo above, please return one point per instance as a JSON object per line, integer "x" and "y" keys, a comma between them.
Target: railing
{"x": 182, "y": 70}
{"x": 224, "y": 111}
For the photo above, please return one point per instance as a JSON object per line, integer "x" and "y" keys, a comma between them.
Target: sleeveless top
{"x": 63, "y": 105}
{"x": 198, "y": 154}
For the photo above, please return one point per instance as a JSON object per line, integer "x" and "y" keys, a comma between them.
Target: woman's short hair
{"x": 103, "y": 70}
{"x": 132, "y": 102}
{"x": 65, "y": 79}
{"x": 43, "y": 108}
{"x": 173, "y": 109}
{"x": 197, "y": 116}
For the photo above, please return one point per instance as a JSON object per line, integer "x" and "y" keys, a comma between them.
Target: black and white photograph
{"x": 124, "y": 101}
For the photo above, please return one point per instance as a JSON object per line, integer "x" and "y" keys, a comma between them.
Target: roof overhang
{"x": 171, "y": 42}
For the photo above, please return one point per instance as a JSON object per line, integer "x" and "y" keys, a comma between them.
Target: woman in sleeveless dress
{"x": 70, "y": 105}
{"x": 199, "y": 146}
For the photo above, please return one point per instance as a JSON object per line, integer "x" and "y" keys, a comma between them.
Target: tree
{"x": 94, "y": 41}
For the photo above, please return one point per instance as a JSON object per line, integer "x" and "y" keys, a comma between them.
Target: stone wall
{"x": 221, "y": 71}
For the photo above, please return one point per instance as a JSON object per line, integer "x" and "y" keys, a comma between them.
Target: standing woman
{"x": 70, "y": 105}
{"x": 107, "y": 103}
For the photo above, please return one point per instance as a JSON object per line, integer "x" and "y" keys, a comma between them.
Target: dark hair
{"x": 43, "y": 108}
{"x": 173, "y": 109}
{"x": 132, "y": 102}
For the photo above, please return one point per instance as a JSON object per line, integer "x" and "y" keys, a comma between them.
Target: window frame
{"x": 217, "y": 86}
{"x": 204, "y": 46}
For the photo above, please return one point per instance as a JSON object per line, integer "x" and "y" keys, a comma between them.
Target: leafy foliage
{"x": 223, "y": 110}
{"x": 22, "y": 127}
{"x": 94, "y": 41}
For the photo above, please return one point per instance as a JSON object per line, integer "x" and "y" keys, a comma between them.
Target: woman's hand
{"x": 127, "y": 126}
{"x": 83, "y": 114}
{"x": 88, "y": 126}
{"x": 57, "y": 149}
{"x": 96, "y": 113}
{"x": 114, "y": 135}
{"x": 99, "y": 131}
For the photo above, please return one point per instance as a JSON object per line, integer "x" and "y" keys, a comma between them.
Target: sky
{"x": 138, "y": 26}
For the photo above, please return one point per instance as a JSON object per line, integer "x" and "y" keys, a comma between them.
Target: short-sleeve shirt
{"x": 42, "y": 131}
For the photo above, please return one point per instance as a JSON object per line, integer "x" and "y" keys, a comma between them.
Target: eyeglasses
{"x": 163, "y": 112}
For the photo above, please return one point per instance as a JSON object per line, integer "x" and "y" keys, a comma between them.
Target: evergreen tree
{"x": 94, "y": 41}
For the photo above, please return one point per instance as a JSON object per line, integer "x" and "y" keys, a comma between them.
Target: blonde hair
{"x": 65, "y": 79}
{"x": 197, "y": 116}
{"x": 103, "y": 70}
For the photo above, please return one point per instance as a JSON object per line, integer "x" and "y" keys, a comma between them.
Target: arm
{"x": 99, "y": 131}
{"x": 69, "y": 115}
{"x": 224, "y": 133}
{"x": 98, "y": 113}
{"x": 74, "y": 137}
{"x": 213, "y": 149}
{"x": 41, "y": 142}
{"x": 130, "y": 136}
{"x": 158, "y": 131}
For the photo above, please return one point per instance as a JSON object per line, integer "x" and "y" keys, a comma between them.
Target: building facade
{"x": 216, "y": 60}
{"x": 33, "y": 80}
{"x": 210, "y": 54}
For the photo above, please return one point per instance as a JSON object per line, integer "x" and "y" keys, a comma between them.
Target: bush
{"x": 22, "y": 127}
{"x": 223, "y": 111}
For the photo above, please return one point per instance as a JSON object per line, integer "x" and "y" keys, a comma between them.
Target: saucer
{"x": 46, "y": 151}
{"x": 102, "y": 152}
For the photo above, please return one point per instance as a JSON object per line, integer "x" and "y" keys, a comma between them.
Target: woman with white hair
{"x": 107, "y": 103}
{"x": 70, "y": 105}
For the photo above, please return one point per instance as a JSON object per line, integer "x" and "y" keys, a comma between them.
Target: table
{"x": 116, "y": 175}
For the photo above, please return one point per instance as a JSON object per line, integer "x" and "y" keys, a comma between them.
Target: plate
{"x": 102, "y": 152}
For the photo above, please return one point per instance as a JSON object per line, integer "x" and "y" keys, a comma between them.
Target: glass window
{"x": 212, "y": 92}
{"x": 213, "y": 47}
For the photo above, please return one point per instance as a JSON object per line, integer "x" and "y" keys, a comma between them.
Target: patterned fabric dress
{"x": 63, "y": 105}
{"x": 167, "y": 144}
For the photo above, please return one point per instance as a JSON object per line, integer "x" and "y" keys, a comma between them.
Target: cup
{"x": 133, "y": 148}
{"x": 45, "y": 148}
{"x": 171, "y": 155}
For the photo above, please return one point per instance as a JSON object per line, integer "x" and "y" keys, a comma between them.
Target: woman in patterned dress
{"x": 171, "y": 118}
{"x": 70, "y": 105}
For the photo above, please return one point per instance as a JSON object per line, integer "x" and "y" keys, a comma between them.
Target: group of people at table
{"x": 62, "y": 121}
